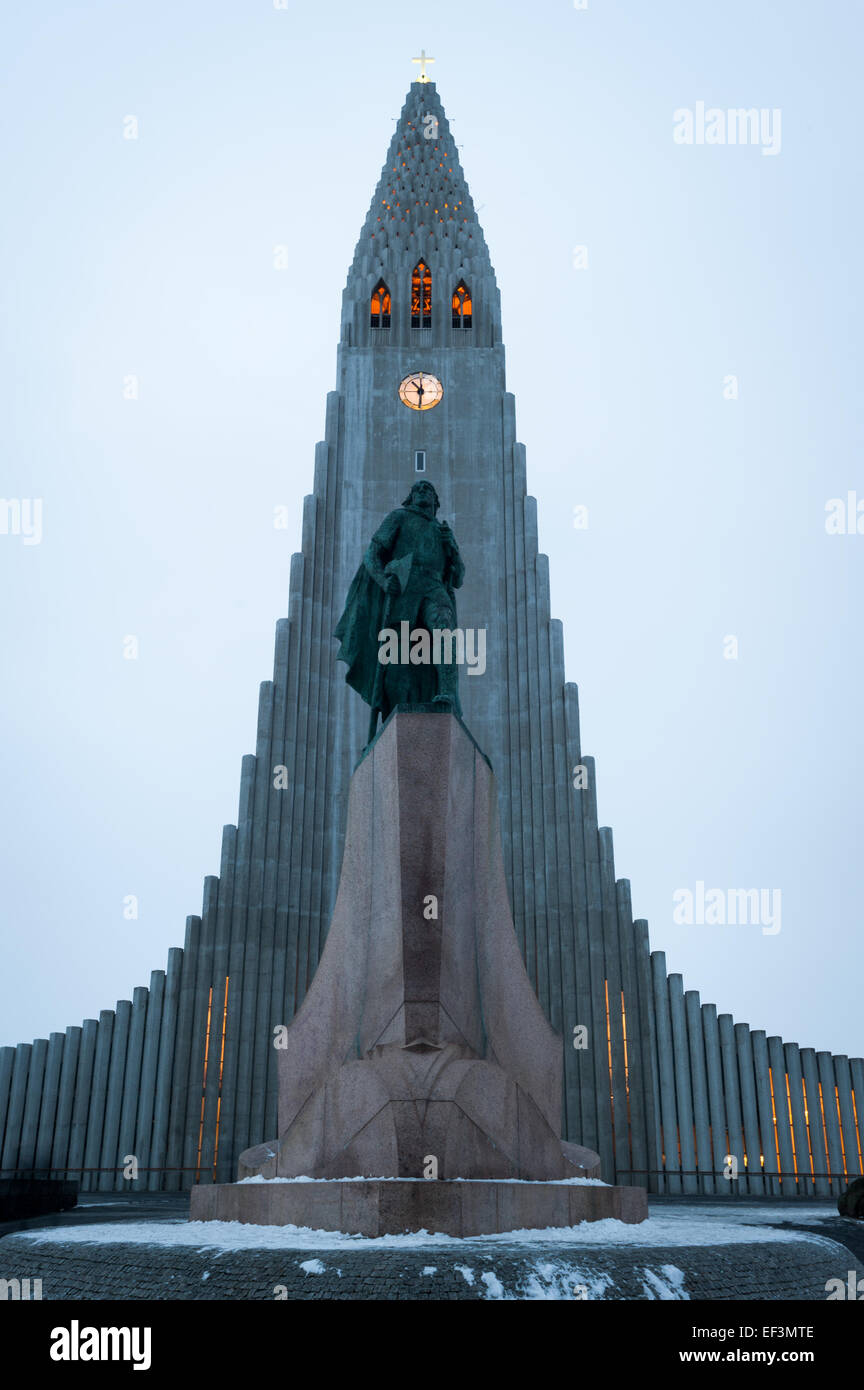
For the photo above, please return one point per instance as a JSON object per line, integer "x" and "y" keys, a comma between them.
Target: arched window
{"x": 421, "y": 296}
{"x": 380, "y": 306}
{"x": 461, "y": 306}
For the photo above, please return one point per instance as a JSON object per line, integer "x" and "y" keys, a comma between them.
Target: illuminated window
{"x": 421, "y": 296}
{"x": 462, "y": 306}
{"x": 380, "y": 306}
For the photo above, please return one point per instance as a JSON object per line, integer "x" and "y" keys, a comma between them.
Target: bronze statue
{"x": 408, "y": 576}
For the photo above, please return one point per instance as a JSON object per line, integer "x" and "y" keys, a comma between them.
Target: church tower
{"x": 422, "y": 305}
{"x": 184, "y": 1075}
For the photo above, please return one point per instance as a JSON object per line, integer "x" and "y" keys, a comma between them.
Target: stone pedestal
{"x": 369, "y": 1208}
{"x": 421, "y": 1048}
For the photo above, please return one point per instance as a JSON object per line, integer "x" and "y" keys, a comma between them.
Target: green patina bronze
{"x": 409, "y": 574}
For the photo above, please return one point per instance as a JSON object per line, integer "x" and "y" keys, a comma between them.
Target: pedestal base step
{"x": 379, "y": 1207}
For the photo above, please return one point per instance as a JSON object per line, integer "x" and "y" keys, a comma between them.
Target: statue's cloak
{"x": 357, "y": 632}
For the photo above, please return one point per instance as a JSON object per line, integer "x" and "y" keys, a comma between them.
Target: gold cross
{"x": 423, "y": 60}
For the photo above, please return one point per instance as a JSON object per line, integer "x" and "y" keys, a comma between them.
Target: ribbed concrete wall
{"x": 183, "y": 1076}
{"x": 742, "y": 1113}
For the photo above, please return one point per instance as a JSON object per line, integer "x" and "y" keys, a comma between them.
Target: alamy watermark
{"x": 718, "y": 907}
{"x": 443, "y": 646}
{"x": 21, "y": 516}
{"x": 712, "y": 125}
{"x": 20, "y": 1290}
{"x": 844, "y": 516}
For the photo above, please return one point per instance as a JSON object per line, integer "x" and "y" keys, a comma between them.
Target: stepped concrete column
{"x": 777, "y": 1062}
{"x": 849, "y": 1130}
{"x": 699, "y": 1083}
{"x": 33, "y": 1104}
{"x": 747, "y": 1081}
{"x": 15, "y": 1110}
{"x": 824, "y": 1062}
{"x": 765, "y": 1109}
{"x": 732, "y": 1095}
{"x": 109, "y": 1178}
{"x": 165, "y": 1069}
{"x": 666, "y": 1073}
{"x": 801, "y": 1142}
{"x": 65, "y": 1101}
{"x": 98, "y": 1094}
{"x": 815, "y": 1122}
{"x": 81, "y": 1105}
{"x": 50, "y": 1097}
{"x": 683, "y": 1092}
{"x": 7, "y": 1066}
{"x": 716, "y": 1098}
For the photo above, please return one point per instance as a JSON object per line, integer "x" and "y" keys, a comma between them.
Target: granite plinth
{"x": 421, "y": 1035}
{"x": 371, "y": 1207}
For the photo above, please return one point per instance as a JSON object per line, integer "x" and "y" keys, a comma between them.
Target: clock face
{"x": 420, "y": 391}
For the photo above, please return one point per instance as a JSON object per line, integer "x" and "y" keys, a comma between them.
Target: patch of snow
{"x": 466, "y": 1272}
{"x": 523, "y": 1182}
{"x": 682, "y": 1227}
{"x": 313, "y": 1266}
{"x": 493, "y": 1284}
{"x": 668, "y": 1284}
{"x": 559, "y": 1281}
{"x": 429, "y": 1269}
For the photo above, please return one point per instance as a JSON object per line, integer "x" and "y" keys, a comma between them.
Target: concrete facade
{"x": 187, "y": 1081}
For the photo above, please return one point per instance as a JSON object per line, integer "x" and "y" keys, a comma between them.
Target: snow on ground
{"x": 681, "y": 1226}
{"x": 774, "y": 1214}
{"x": 559, "y": 1182}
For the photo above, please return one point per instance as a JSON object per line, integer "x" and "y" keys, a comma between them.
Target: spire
{"x": 421, "y": 206}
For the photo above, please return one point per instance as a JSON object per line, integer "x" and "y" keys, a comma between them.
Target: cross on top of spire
{"x": 423, "y": 60}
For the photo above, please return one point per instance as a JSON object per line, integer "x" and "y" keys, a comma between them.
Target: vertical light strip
{"x": 774, "y": 1118}
{"x": 204, "y": 1086}
{"x": 791, "y": 1128}
{"x": 857, "y": 1132}
{"x": 609, "y": 1054}
{"x": 840, "y": 1127}
{"x": 221, "y": 1068}
{"x": 824, "y": 1130}
{"x": 808, "y": 1124}
{"x": 627, "y": 1079}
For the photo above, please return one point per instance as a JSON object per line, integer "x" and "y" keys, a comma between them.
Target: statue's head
{"x": 424, "y": 497}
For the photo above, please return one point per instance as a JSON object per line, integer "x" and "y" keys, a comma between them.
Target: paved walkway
{"x": 773, "y": 1265}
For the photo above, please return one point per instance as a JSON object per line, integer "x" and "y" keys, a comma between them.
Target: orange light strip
{"x": 807, "y": 1126}
{"x": 609, "y": 1054}
{"x": 624, "y": 1034}
{"x": 791, "y": 1127}
{"x": 221, "y": 1069}
{"x": 204, "y": 1085}
{"x": 857, "y": 1132}
{"x": 774, "y": 1119}
{"x": 626, "y": 1076}
{"x": 840, "y": 1127}
{"x": 824, "y": 1130}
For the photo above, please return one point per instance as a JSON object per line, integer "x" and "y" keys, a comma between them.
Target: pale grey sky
{"x": 261, "y": 127}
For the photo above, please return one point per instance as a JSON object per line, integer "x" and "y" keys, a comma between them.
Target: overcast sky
{"x": 262, "y": 127}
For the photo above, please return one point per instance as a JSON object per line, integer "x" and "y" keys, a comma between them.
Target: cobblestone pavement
{"x": 796, "y": 1270}
{"x": 476, "y": 1269}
